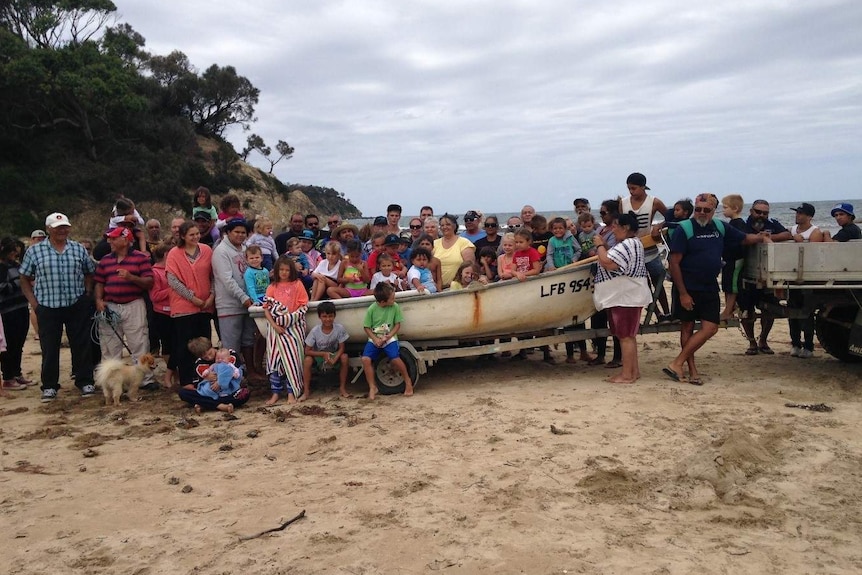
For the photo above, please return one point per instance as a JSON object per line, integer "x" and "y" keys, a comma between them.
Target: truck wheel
{"x": 834, "y": 333}
{"x": 389, "y": 380}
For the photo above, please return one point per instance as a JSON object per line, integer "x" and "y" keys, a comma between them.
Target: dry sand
{"x": 465, "y": 477}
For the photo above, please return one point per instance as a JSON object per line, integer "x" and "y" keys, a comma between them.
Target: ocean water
{"x": 778, "y": 210}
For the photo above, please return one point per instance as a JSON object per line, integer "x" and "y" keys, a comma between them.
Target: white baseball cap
{"x": 56, "y": 220}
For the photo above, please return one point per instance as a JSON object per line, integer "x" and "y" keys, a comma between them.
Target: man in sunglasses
{"x": 513, "y": 223}
{"x": 759, "y": 222}
{"x": 472, "y": 231}
{"x": 695, "y": 262}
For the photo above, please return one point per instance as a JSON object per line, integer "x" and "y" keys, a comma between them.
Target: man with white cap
{"x": 37, "y": 236}
{"x": 62, "y": 272}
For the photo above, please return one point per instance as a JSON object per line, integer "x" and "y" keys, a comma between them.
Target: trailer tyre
{"x": 834, "y": 335}
{"x": 389, "y": 380}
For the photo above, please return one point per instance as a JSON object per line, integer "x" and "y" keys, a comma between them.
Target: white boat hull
{"x": 550, "y": 300}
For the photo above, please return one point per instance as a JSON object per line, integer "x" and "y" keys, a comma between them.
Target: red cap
{"x": 119, "y": 232}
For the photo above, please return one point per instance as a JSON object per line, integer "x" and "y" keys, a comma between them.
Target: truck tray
{"x": 810, "y": 264}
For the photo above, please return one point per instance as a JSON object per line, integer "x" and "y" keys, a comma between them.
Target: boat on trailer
{"x": 502, "y": 316}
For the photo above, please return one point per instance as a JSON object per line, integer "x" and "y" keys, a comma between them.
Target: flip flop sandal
{"x": 696, "y": 381}
{"x": 751, "y": 351}
{"x": 612, "y": 365}
{"x": 765, "y": 349}
{"x": 671, "y": 374}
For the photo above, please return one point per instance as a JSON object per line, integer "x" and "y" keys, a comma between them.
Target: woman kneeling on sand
{"x": 622, "y": 288}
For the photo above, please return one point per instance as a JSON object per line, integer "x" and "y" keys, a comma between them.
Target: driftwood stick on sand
{"x": 274, "y": 529}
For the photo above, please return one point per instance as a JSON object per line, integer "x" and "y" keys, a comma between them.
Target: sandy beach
{"x": 492, "y": 467}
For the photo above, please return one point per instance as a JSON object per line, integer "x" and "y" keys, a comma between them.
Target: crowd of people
{"x": 142, "y": 292}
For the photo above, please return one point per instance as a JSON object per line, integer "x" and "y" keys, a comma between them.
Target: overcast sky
{"x": 493, "y": 104}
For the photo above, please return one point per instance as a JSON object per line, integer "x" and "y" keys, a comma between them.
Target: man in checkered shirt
{"x": 57, "y": 280}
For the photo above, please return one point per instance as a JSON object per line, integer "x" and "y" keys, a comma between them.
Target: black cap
{"x": 235, "y": 223}
{"x": 804, "y": 208}
{"x": 471, "y": 215}
{"x": 391, "y": 239}
{"x": 381, "y": 221}
{"x": 202, "y": 215}
{"x": 637, "y": 179}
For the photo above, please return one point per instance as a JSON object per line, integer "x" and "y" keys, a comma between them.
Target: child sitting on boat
{"x": 325, "y": 275}
{"x": 419, "y": 276}
{"x": 527, "y": 261}
{"x": 563, "y": 248}
{"x": 467, "y": 273}
{"x": 586, "y": 234}
{"x": 385, "y": 273}
{"x": 353, "y": 279}
{"x": 382, "y": 323}
{"x": 425, "y": 241}
{"x": 506, "y": 260}
{"x": 488, "y": 263}
{"x": 391, "y": 243}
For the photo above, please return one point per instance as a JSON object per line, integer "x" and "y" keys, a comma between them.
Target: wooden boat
{"x": 556, "y": 299}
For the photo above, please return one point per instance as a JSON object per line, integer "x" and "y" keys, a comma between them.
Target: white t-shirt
{"x": 391, "y": 278}
{"x": 324, "y": 269}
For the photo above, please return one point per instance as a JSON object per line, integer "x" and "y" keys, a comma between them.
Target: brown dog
{"x": 113, "y": 374}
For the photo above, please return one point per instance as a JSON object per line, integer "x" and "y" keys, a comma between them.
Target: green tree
{"x": 51, "y": 24}
{"x": 256, "y": 143}
{"x": 220, "y": 98}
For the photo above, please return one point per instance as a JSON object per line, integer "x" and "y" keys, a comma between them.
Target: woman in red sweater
{"x": 189, "y": 273}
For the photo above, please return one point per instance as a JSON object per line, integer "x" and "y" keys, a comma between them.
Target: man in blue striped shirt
{"x": 57, "y": 280}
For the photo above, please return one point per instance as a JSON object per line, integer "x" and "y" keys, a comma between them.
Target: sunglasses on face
{"x": 603, "y": 213}
{"x": 760, "y": 212}
{"x": 702, "y": 210}
{"x": 419, "y": 227}
{"x": 469, "y": 219}
{"x": 491, "y": 225}
{"x": 514, "y": 226}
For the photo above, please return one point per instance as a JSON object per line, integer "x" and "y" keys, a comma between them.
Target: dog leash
{"x": 111, "y": 318}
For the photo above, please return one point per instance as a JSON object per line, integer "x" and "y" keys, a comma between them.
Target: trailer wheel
{"x": 389, "y": 380}
{"x": 834, "y": 333}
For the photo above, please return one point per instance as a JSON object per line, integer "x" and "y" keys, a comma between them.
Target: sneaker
{"x": 23, "y": 380}
{"x": 806, "y": 353}
{"x": 12, "y": 385}
{"x": 794, "y": 351}
{"x": 49, "y": 395}
{"x": 88, "y": 390}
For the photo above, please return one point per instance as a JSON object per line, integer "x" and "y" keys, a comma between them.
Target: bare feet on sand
{"x": 197, "y": 409}
{"x": 226, "y": 407}
{"x": 619, "y": 379}
{"x": 272, "y": 400}
{"x": 290, "y": 399}
{"x": 372, "y": 392}
{"x": 303, "y": 397}
{"x": 408, "y": 388}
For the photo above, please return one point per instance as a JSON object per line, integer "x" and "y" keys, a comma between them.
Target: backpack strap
{"x": 688, "y": 228}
